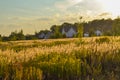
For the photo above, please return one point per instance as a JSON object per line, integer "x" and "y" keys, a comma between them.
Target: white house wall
{"x": 63, "y": 31}
{"x": 98, "y": 33}
{"x": 86, "y": 35}
{"x": 70, "y": 33}
{"x": 41, "y": 35}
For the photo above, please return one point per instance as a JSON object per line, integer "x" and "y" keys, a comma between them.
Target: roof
{"x": 67, "y": 27}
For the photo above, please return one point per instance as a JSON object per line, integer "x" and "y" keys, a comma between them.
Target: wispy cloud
{"x": 65, "y": 4}
{"x": 80, "y": 7}
{"x": 44, "y": 19}
{"x": 104, "y": 14}
{"x": 18, "y": 18}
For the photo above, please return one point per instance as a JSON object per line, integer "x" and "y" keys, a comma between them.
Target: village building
{"x": 69, "y": 30}
{"x": 86, "y": 34}
{"x": 98, "y": 33}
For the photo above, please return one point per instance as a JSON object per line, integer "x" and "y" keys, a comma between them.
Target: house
{"x": 41, "y": 35}
{"x": 47, "y": 35}
{"x": 69, "y": 30}
{"x": 69, "y": 33}
{"x": 98, "y": 27}
{"x": 98, "y": 33}
{"x": 86, "y": 34}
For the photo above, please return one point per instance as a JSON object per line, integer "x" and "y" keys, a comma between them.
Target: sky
{"x": 36, "y": 15}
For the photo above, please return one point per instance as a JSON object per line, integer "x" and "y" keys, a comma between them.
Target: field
{"x": 96, "y": 58}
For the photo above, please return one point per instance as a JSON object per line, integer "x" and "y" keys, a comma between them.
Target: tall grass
{"x": 65, "y": 59}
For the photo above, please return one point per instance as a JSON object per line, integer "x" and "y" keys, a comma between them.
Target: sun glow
{"x": 75, "y": 1}
{"x": 111, "y": 6}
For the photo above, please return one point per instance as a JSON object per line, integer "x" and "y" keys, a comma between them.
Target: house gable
{"x": 98, "y": 33}
{"x": 70, "y": 33}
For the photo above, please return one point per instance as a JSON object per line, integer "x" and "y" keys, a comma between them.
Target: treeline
{"x": 54, "y": 33}
{"x": 108, "y": 27}
{"x": 14, "y": 36}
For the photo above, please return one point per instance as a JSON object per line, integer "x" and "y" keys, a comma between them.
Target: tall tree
{"x": 53, "y": 28}
{"x": 20, "y": 35}
{"x": 13, "y": 36}
{"x": 116, "y": 27}
{"x": 80, "y": 27}
{"x": 80, "y": 30}
{"x": 0, "y": 38}
{"x": 56, "y": 32}
{"x": 16, "y": 36}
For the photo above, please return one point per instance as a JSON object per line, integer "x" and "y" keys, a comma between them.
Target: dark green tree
{"x": 13, "y": 36}
{"x": 91, "y": 32}
{"x": 56, "y": 32}
{"x": 16, "y": 36}
{"x": 31, "y": 37}
{"x": 0, "y": 38}
{"x": 116, "y": 27}
{"x": 20, "y": 35}
{"x": 80, "y": 30}
{"x": 53, "y": 28}
{"x": 5, "y": 38}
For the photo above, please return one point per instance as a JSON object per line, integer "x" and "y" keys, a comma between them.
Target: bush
{"x": 79, "y": 42}
{"x": 102, "y": 40}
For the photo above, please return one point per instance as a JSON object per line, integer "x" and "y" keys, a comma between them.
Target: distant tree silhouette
{"x": 116, "y": 27}
{"x": 56, "y": 32}
{"x": 16, "y": 36}
{"x": 0, "y": 38}
{"x": 31, "y": 37}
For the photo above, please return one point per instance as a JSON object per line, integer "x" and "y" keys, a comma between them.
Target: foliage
{"x": 16, "y": 36}
{"x": 31, "y": 37}
{"x": 108, "y": 33}
{"x": 0, "y": 38}
{"x": 92, "y": 32}
{"x": 80, "y": 30}
{"x": 5, "y": 38}
{"x": 102, "y": 40}
{"x": 56, "y": 32}
{"x": 116, "y": 27}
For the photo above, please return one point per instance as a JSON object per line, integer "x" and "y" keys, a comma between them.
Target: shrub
{"x": 102, "y": 40}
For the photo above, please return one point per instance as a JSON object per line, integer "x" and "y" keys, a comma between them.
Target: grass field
{"x": 96, "y": 58}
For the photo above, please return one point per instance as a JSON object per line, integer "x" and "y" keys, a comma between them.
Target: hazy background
{"x": 34, "y": 15}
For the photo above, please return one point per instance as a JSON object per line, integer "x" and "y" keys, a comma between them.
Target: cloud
{"x": 18, "y": 18}
{"x": 43, "y": 19}
{"x": 14, "y": 18}
{"x": 86, "y": 7}
{"x": 65, "y": 4}
{"x": 49, "y": 9}
{"x": 104, "y": 14}
{"x": 32, "y": 18}
{"x": 71, "y": 20}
